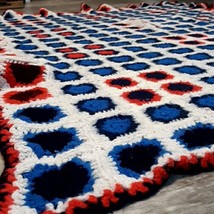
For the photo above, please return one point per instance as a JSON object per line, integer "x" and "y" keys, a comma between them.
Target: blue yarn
{"x": 79, "y": 89}
{"x": 120, "y": 59}
{"x": 167, "y": 61}
{"x": 143, "y": 143}
{"x": 136, "y": 66}
{"x": 192, "y": 70}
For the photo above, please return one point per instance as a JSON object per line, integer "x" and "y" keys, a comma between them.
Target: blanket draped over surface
{"x": 98, "y": 108}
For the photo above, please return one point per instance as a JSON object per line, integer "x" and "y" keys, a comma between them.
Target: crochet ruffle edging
{"x": 114, "y": 200}
{"x": 110, "y": 200}
{"x": 107, "y": 8}
{"x": 11, "y": 159}
{"x": 9, "y": 153}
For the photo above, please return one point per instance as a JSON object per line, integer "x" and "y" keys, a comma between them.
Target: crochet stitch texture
{"x": 99, "y": 107}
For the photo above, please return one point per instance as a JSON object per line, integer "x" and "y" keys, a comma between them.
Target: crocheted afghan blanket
{"x": 98, "y": 108}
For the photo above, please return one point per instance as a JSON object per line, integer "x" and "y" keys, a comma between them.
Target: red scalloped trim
{"x": 43, "y": 12}
{"x": 11, "y": 159}
{"x": 132, "y": 6}
{"x": 205, "y": 6}
{"x": 161, "y": 175}
{"x": 85, "y": 8}
{"x": 73, "y": 204}
{"x": 102, "y": 7}
{"x": 109, "y": 198}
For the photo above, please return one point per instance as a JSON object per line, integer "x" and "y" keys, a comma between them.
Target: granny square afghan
{"x": 98, "y": 108}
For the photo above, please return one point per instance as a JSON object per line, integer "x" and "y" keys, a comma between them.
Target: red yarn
{"x": 85, "y": 7}
{"x": 171, "y": 163}
{"x": 11, "y": 159}
{"x": 148, "y": 181}
{"x": 193, "y": 160}
{"x": 108, "y": 197}
{"x": 75, "y": 204}
{"x": 119, "y": 188}
{"x": 207, "y": 160}
{"x": 137, "y": 187}
{"x": 43, "y": 12}
{"x": 92, "y": 199}
{"x": 160, "y": 174}
{"x": 183, "y": 163}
